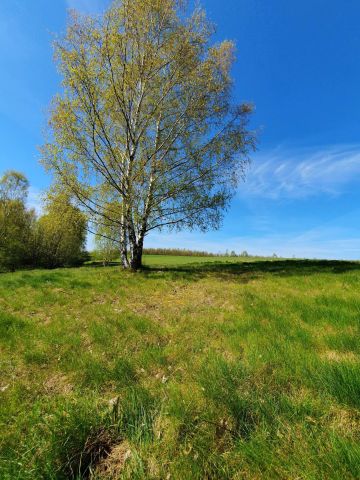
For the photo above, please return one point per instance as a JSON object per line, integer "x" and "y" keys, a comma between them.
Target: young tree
{"x": 106, "y": 249}
{"x": 16, "y": 222}
{"x": 146, "y": 121}
{"x": 107, "y": 238}
{"x": 61, "y": 233}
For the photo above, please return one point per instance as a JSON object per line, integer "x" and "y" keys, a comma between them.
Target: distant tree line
{"x": 178, "y": 251}
{"x": 54, "y": 239}
{"x": 193, "y": 253}
{"x": 108, "y": 251}
{"x": 198, "y": 253}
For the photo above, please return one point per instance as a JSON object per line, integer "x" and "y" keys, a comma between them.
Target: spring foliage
{"x": 16, "y": 222}
{"x": 61, "y": 233}
{"x": 146, "y": 121}
{"x": 55, "y": 239}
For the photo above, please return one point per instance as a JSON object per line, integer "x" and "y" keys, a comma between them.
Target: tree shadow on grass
{"x": 246, "y": 271}
{"x": 99, "y": 263}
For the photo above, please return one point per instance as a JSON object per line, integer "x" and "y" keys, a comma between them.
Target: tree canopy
{"x": 54, "y": 239}
{"x": 14, "y": 186}
{"x": 145, "y": 122}
{"x": 61, "y": 233}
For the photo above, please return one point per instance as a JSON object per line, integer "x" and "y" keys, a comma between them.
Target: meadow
{"x": 193, "y": 368}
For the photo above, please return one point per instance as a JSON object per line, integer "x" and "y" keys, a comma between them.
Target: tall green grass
{"x": 190, "y": 369}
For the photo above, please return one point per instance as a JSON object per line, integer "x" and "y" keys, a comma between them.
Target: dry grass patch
{"x": 346, "y": 421}
{"x": 58, "y": 384}
{"x": 336, "y": 356}
{"x": 111, "y": 467}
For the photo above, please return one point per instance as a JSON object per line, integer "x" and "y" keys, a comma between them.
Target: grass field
{"x": 191, "y": 369}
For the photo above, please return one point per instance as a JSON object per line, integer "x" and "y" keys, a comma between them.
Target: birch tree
{"x": 146, "y": 122}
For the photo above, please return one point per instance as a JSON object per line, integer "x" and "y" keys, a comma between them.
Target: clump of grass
{"x": 228, "y": 385}
{"x": 11, "y": 327}
{"x": 134, "y": 415}
{"x": 341, "y": 380}
{"x": 344, "y": 341}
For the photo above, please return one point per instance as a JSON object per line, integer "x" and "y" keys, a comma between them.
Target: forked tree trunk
{"x": 131, "y": 245}
{"x": 136, "y": 255}
{"x": 132, "y": 259}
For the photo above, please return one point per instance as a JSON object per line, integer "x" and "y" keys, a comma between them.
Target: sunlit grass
{"x": 194, "y": 368}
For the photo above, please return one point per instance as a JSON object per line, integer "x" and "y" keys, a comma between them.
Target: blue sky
{"x": 298, "y": 61}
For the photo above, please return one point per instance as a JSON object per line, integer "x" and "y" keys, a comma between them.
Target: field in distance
{"x": 177, "y": 260}
{"x": 194, "y": 368}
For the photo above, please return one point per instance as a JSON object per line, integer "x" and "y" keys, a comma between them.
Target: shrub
{"x": 61, "y": 234}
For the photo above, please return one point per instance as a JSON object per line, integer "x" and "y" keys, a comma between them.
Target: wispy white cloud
{"x": 300, "y": 173}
